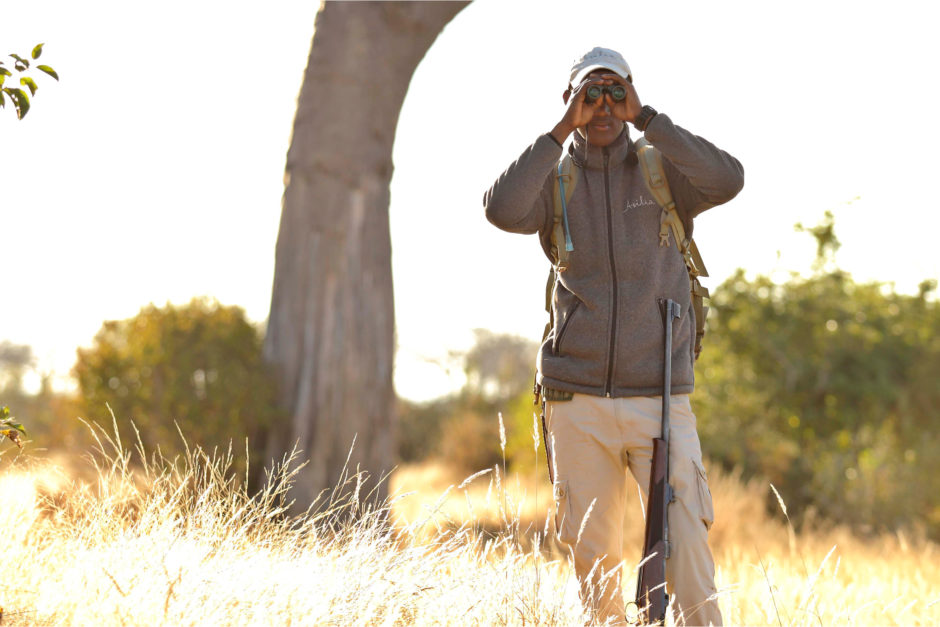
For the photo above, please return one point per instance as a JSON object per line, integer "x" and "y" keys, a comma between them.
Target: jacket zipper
{"x": 613, "y": 272}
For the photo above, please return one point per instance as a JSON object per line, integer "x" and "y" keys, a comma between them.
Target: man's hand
{"x": 579, "y": 112}
{"x": 628, "y": 108}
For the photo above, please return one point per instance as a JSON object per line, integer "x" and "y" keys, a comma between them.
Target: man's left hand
{"x": 628, "y": 108}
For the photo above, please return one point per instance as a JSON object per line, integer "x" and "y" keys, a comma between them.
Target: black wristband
{"x": 647, "y": 113}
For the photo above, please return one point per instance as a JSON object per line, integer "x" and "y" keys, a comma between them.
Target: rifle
{"x": 651, "y": 596}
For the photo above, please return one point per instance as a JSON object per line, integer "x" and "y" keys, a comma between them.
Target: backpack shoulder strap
{"x": 566, "y": 179}
{"x": 651, "y": 162}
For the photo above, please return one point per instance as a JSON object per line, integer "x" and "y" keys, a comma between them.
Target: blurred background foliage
{"x": 194, "y": 369}
{"x": 462, "y": 430}
{"x": 826, "y": 387}
{"x": 198, "y": 366}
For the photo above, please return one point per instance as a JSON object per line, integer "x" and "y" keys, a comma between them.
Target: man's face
{"x": 603, "y": 128}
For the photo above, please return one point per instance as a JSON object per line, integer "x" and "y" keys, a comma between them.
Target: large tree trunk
{"x": 331, "y": 327}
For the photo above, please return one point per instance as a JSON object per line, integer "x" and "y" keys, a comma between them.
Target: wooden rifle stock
{"x": 651, "y": 596}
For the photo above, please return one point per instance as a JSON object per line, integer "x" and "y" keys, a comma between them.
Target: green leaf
{"x": 9, "y": 425}
{"x": 3, "y": 100}
{"x": 5, "y": 72}
{"x": 30, "y": 84}
{"x": 48, "y": 70}
{"x": 20, "y": 101}
{"x": 37, "y": 51}
{"x": 20, "y": 61}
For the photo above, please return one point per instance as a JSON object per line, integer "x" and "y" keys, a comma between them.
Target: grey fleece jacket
{"x": 607, "y": 338}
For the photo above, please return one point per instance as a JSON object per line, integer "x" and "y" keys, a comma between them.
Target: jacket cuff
{"x": 657, "y": 123}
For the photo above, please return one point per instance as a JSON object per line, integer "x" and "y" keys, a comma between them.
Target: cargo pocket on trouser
{"x": 563, "y": 521}
{"x": 706, "y": 507}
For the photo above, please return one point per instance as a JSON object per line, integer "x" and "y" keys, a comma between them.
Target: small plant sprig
{"x": 10, "y": 428}
{"x": 18, "y": 95}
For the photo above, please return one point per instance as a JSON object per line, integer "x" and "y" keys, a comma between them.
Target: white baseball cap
{"x": 596, "y": 59}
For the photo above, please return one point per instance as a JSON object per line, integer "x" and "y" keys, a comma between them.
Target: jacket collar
{"x": 591, "y": 157}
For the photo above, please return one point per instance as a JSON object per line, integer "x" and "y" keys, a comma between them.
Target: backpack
{"x": 651, "y": 162}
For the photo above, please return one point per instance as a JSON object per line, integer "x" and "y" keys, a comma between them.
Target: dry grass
{"x": 182, "y": 544}
{"x": 767, "y": 574}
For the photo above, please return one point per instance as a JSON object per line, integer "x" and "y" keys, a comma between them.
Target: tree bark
{"x": 330, "y": 332}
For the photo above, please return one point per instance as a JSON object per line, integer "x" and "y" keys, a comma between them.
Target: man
{"x": 601, "y": 365}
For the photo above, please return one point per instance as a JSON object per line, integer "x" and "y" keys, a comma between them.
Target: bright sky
{"x": 153, "y": 171}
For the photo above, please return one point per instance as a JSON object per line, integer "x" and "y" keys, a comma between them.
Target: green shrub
{"x": 198, "y": 366}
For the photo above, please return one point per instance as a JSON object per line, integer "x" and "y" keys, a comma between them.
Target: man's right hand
{"x": 579, "y": 112}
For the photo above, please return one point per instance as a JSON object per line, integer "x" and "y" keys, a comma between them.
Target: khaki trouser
{"x": 594, "y": 440}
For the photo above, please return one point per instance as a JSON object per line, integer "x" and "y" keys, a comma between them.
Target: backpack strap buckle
{"x": 664, "y": 229}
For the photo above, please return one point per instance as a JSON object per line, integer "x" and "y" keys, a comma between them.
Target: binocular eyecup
{"x": 594, "y": 92}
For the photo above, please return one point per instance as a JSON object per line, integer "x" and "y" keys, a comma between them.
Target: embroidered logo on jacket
{"x": 642, "y": 201}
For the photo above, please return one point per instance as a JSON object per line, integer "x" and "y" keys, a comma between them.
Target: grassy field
{"x": 767, "y": 574}
{"x": 184, "y": 545}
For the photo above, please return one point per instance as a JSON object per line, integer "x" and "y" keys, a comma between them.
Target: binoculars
{"x": 617, "y": 92}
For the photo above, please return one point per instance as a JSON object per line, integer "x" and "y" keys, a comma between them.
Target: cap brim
{"x": 582, "y": 74}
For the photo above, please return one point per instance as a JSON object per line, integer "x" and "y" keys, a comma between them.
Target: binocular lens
{"x": 617, "y": 92}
